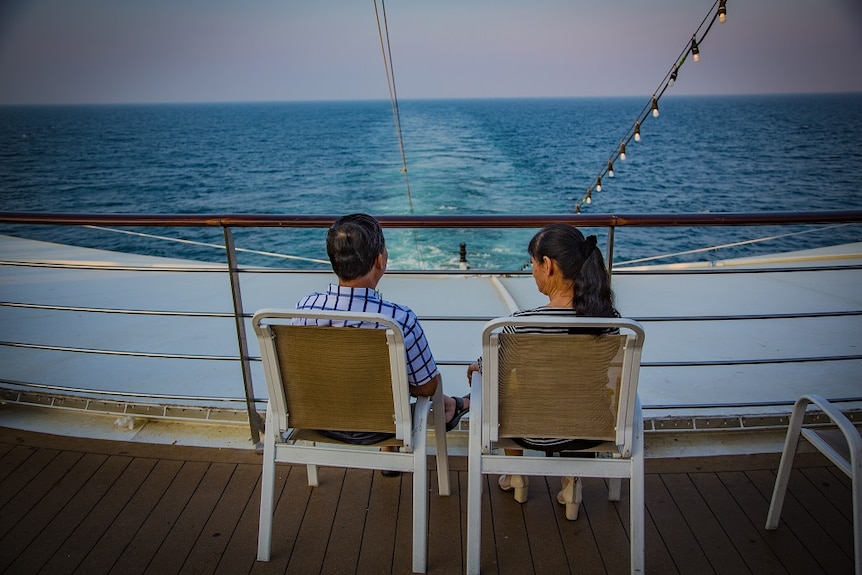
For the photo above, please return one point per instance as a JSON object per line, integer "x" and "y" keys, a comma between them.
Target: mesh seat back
{"x": 560, "y": 385}
{"x": 336, "y": 378}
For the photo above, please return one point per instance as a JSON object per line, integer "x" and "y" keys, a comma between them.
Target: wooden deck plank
{"x": 32, "y": 478}
{"x": 447, "y": 524}
{"x": 838, "y": 498}
{"x": 236, "y": 557}
{"x": 351, "y": 517}
{"x": 402, "y": 550}
{"x": 609, "y": 522}
{"x": 388, "y": 526}
{"x": 101, "y": 518}
{"x": 802, "y": 519}
{"x": 676, "y": 535}
{"x": 11, "y": 459}
{"x": 507, "y": 524}
{"x": 123, "y": 529}
{"x": 715, "y": 542}
{"x": 221, "y": 524}
{"x": 187, "y": 529}
{"x": 292, "y": 495}
{"x": 581, "y": 546}
{"x": 68, "y": 520}
{"x": 313, "y": 537}
{"x": 166, "y": 510}
{"x": 122, "y": 510}
{"x": 62, "y": 483}
{"x": 748, "y": 489}
{"x": 545, "y": 534}
{"x": 744, "y": 537}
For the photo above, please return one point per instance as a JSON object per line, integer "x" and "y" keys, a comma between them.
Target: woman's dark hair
{"x": 581, "y": 261}
{"x": 353, "y": 244}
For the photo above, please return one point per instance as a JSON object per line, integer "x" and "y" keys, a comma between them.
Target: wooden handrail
{"x": 406, "y": 221}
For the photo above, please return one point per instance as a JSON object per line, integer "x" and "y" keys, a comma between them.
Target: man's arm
{"x": 427, "y": 389}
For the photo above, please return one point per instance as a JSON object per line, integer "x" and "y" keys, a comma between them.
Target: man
{"x": 357, "y": 251}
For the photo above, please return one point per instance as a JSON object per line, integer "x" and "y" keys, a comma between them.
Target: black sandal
{"x": 460, "y": 410}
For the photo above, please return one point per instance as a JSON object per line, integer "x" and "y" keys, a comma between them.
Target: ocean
{"x": 506, "y": 156}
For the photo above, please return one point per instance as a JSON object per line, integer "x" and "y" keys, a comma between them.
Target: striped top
{"x": 421, "y": 367}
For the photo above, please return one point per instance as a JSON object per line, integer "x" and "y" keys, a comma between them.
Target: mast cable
{"x": 730, "y": 245}
{"x": 386, "y": 51}
{"x": 205, "y": 244}
{"x": 393, "y": 95}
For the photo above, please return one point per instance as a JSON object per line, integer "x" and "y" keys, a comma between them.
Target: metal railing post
{"x": 609, "y": 259}
{"x": 254, "y": 419}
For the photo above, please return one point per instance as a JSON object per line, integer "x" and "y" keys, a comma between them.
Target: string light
{"x": 718, "y": 11}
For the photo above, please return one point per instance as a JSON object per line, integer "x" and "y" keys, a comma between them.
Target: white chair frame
{"x": 411, "y": 430}
{"x": 847, "y": 457}
{"x": 627, "y": 450}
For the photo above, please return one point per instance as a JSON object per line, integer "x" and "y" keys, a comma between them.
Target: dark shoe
{"x": 460, "y": 410}
{"x": 389, "y": 473}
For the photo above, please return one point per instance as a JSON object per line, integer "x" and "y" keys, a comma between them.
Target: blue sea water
{"x": 532, "y": 156}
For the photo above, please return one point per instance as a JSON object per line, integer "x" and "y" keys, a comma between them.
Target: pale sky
{"x": 107, "y": 51}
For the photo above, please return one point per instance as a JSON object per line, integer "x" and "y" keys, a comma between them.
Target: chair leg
{"x": 856, "y": 483}
{"x": 441, "y": 445}
{"x": 311, "y": 470}
{"x": 791, "y": 441}
{"x": 267, "y": 496}
{"x": 420, "y": 507}
{"x": 615, "y": 485}
{"x": 637, "y": 513}
{"x": 474, "y": 484}
{"x": 636, "y": 494}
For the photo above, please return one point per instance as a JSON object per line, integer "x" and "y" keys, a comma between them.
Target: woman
{"x": 570, "y": 270}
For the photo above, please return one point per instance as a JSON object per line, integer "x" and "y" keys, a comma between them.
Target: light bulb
{"x": 722, "y": 11}
{"x": 610, "y": 169}
{"x": 654, "y": 109}
{"x": 637, "y": 131}
{"x": 589, "y": 199}
{"x": 695, "y": 51}
{"x": 672, "y": 77}
{"x": 599, "y": 184}
{"x": 623, "y": 151}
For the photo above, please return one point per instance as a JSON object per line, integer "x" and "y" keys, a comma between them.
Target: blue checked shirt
{"x": 421, "y": 367}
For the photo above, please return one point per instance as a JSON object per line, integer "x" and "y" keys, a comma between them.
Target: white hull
{"x": 684, "y": 315}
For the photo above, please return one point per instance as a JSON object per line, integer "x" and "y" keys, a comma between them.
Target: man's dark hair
{"x": 353, "y": 244}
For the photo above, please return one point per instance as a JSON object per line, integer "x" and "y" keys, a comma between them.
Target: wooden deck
{"x": 82, "y": 506}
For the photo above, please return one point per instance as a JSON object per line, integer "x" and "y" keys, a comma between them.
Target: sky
{"x": 134, "y": 51}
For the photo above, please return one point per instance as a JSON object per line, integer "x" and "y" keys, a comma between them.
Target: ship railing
{"x": 243, "y": 404}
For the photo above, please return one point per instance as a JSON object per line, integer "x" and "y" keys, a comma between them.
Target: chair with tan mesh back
{"x": 558, "y": 385}
{"x": 346, "y": 379}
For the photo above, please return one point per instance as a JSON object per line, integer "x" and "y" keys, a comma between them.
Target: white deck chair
{"x": 343, "y": 378}
{"x": 558, "y": 385}
{"x": 843, "y": 446}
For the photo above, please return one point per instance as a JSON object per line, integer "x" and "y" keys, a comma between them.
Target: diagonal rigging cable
{"x": 386, "y": 50}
